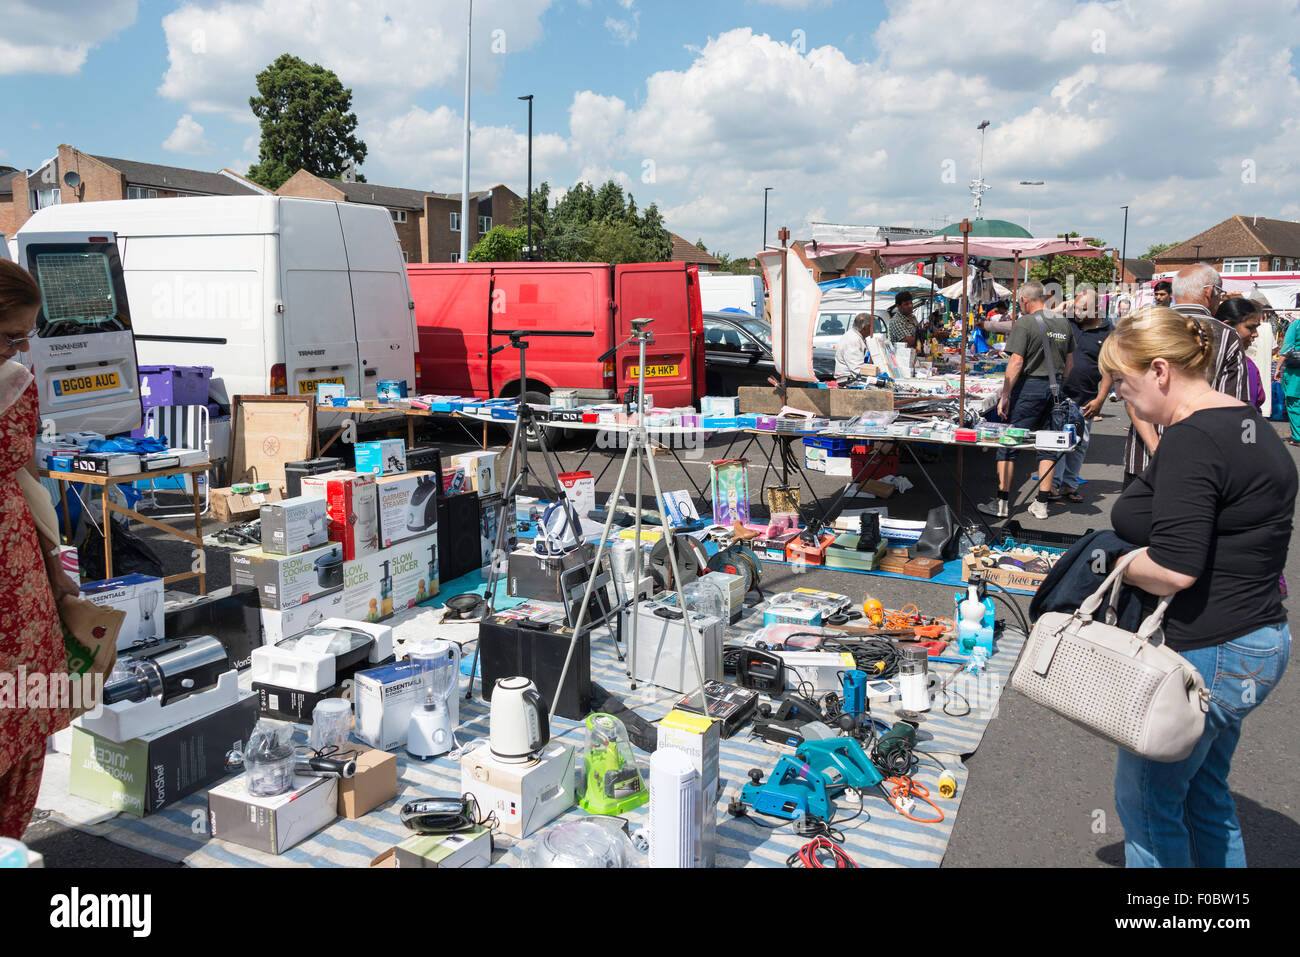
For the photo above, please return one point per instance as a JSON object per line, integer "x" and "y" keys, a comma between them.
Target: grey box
{"x": 294, "y": 525}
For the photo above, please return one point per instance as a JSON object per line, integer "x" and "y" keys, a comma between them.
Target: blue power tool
{"x": 794, "y": 790}
{"x": 853, "y": 685}
{"x": 841, "y": 762}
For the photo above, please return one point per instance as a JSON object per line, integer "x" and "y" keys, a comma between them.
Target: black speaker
{"x": 459, "y": 547}
{"x": 508, "y": 647}
{"x": 425, "y": 459}
{"x": 295, "y": 472}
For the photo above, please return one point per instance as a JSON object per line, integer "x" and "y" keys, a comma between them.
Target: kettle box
{"x": 391, "y": 580}
{"x": 408, "y": 506}
{"x": 353, "y": 505}
{"x": 286, "y": 581}
{"x": 140, "y": 597}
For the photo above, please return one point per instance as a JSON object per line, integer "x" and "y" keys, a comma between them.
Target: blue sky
{"x": 855, "y": 112}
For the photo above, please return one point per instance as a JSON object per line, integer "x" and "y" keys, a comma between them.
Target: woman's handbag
{"x": 1128, "y": 688}
{"x": 1291, "y": 360}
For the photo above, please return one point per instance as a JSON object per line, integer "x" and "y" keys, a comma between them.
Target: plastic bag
{"x": 132, "y": 555}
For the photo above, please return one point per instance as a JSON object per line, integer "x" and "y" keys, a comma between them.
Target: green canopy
{"x": 988, "y": 229}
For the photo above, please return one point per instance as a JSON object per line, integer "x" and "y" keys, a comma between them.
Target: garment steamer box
{"x": 271, "y": 824}
{"x": 375, "y": 783}
{"x": 145, "y": 774}
{"x": 391, "y": 580}
{"x": 294, "y": 525}
{"x": 525, "y": 796}
{"x": 353, "y": 503}
{"x": 700, "y": 739}
{"x": 140, "y": 597}
{"x": 480, "y": 471}
{"x": 663, "y": 656}
{"x": 278, "y": 625}
{"x": 472, "y": 848}
{"x": 395, "y": 513}
{"x": 384, "y": 698}
{"x": 286, "y": 581}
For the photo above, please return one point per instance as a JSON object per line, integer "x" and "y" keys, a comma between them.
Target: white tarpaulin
{"x": 804, "y": 297}
{"x": 954, "y": 291}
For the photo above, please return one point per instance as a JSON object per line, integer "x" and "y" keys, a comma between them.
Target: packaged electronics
{"x": 231, "y": 616}
{"x": 294, "y": 472}
{"x": 384, "y": 698}
{"x": 524, "y": 796}
{"x": 385, "y": 457}
{"x": 140, "y": 597}
{"x": 317, "y": 660}
{"x": 285, "y": 581}
{"x": 697, "y": 739}
{"x": 480, "y": 471}
{"x": 294, "y": 525}
{"x": 278, "y": 625}
{"x": 392, "y": 580}
{"x": 353, "y": 503}
{"x": 271, "y": 824}
{"x": 408, "y": 506}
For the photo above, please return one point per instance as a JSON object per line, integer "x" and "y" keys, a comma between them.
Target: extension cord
{"x": 947, "y": 786}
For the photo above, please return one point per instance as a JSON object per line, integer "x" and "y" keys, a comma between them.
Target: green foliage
{"x": 502, "y": 244}
{"x": 307, "y": 123}
{"x": 1155, "y": 249}
{"x": 1058, "y": 269}
{"x": 596, "y": 225}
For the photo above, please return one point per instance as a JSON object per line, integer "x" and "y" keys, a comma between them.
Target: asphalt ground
{"x": 1040, "y": 790}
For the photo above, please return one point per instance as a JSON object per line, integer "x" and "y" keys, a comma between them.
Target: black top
{"x": 1216, "y": 503}
{"x": 1085, "y": 377}
{"x": 1027, "y": 341}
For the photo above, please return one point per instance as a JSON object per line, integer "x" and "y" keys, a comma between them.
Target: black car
{"x": 738, "y": 351}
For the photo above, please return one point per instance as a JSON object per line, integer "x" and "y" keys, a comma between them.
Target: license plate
{"x": 81, "y": 384}
{"x": 308, "y": 386}
{"x": 658, "y": 372}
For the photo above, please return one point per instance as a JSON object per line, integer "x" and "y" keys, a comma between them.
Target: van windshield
{"x": 81, "y": 289}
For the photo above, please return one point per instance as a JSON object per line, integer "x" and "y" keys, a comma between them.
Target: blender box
{"x": 480, "y": 471}
{"x": 408, "y": 506}
{"x": 271, "y": 824}
{"x": 147, "y": 773}
{"x": 385, "y": 457}
{"x": 526, "y": 796}
{"x": 286, "y": 581}
{"x": 700, "y": 739}
{"x": 383, "y": 698}
{"x": 277, "y": 625}
{"x": 352, "y": 501}
{"x": 294, "y": 525}
{"x": 393, "y": 579}
{"x": 139, "y": 596}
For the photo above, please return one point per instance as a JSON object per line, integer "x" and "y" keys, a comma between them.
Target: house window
{"x": 40, "y": 198}
{"x": 455, "y": 257}
{"x": 399, "y": 215}
{"x": 1240, "y": 265}
{"x": 864, "y": 273}
{"x": 455, "y": 222}
{"x": 484, "y": 224}
{"x": 406, "y": 257}
{"x": 140, "y": 192}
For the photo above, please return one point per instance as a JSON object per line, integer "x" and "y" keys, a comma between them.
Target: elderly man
{"x": 1197, "y": 292}
{"x": 1027, "y": 394}
{"x": 851, "y": 350}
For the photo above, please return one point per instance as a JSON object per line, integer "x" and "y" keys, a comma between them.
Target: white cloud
{"x": 187, "y": 137}
{"x": 624, "y": 31}
{"x": 57, "y": 36}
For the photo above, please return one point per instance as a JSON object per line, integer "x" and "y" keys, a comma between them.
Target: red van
{"x": 461, "y": 311}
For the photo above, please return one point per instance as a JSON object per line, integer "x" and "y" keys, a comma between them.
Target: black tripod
{"x": 513, "y": 483}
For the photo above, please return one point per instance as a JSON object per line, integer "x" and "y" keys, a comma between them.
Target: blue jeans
{"x": 1181, "y": 814}
{"x": 1072, "y": 464}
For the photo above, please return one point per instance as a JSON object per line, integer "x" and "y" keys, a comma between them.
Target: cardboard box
{"x": 294, "y": 525}
{"x": 878, "y": 489}
{"x": 291, "y": 704}
{"x": 286, "y": 581}
{"x": 472, "y": 848}
{"x": 525, "y": 797}
{"x": 232, "y": 616}
{"x": 700, "y": 739}
{"x": 227, "y": 506}
{"x": 480, "y": 471}
{"x": 580, "y": 489}
{"x": 719, "y": 405}
{"x": 353, "y": 503}
{"x": 375, "y": 783}
{"x": 391, "y": 580}
{"x": 140, "y": 597}
{"x": 385, "y": 457}
{"x": 1006, "y": 577}
{"x": 383, "y": 698}
{"x": 276, "y": 625}
{"x": 395, "y": 514}
{"x": 271, "y": 824}
{"x": 146, "y": 774}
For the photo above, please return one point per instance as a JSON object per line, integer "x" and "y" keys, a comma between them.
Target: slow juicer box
{"x": 392, "y": 580}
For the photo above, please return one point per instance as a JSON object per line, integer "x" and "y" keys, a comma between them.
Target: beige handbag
{"x": 1128, "y": 688}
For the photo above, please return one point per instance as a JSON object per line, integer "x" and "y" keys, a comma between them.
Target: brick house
{"x": 1240, "y": 244}
{"x": 427, "y": 224}
{"x": 685, "y": 251}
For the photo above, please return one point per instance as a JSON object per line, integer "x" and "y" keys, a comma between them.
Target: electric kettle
{"x": 518, "y": 725}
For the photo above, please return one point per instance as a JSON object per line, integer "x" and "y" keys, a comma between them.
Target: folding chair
{"x": 183, "y": 427}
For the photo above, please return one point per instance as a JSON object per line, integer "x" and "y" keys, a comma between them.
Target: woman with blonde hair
{"x": 31, "y": 575}
{"x": 1212, "y": 514}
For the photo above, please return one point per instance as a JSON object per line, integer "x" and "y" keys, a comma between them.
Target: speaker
{"x": 508, "y": 647}
{"x": 459, "y": 547}
{"x": 425, "y": 459}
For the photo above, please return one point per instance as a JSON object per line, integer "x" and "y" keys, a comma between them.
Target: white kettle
{"x": 518, "y": 725}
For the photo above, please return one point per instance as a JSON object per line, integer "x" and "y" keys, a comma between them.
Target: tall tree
{"x": 501, "y": 244}
{"x": 307, "y": 123}
{"x": 1085, "y": 269}
{"x": 598, "y": 224}
{"x": 1155, "y": 249}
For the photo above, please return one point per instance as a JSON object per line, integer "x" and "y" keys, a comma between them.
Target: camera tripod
{"x": 514, "y": 483}
{"x": 637, "y": 444}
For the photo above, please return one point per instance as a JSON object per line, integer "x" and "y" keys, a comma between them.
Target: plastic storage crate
{"x": 174, "y": 385}
{"x": 1035, "y": 538}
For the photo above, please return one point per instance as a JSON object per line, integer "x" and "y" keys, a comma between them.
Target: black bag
{"x": 940, "y": 537}
{"x": 132, "y": 555}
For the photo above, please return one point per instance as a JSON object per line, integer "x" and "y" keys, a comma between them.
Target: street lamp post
{"x": 464, "y": 177}
{"x": 766, "y": 190}
{"x": 1035, "y": 182}
{"x": 1123, "y": 246}
{"x": 528, "y": 256}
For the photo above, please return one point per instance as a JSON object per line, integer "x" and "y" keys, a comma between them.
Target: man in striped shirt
{"x": 1198, "y": 290}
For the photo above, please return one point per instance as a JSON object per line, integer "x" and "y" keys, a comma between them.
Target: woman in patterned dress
{"x": 31, "y": 576}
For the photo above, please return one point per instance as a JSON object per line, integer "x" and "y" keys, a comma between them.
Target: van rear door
{"x": 320, "y": 333}
{"x": 381, "y": 299}
{"x": 669, "y": 294}
{"x": 83, "y": 355}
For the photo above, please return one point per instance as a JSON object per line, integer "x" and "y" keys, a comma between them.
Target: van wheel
{"x": 553, "y": 437}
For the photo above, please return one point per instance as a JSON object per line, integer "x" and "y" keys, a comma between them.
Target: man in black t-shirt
{"x": 1086, "y": 386}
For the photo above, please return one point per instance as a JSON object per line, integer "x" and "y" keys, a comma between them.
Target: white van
{"x": 720, "y": 293}
{"x": 4, "y": 247}
{"x": 276, "y": 294}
